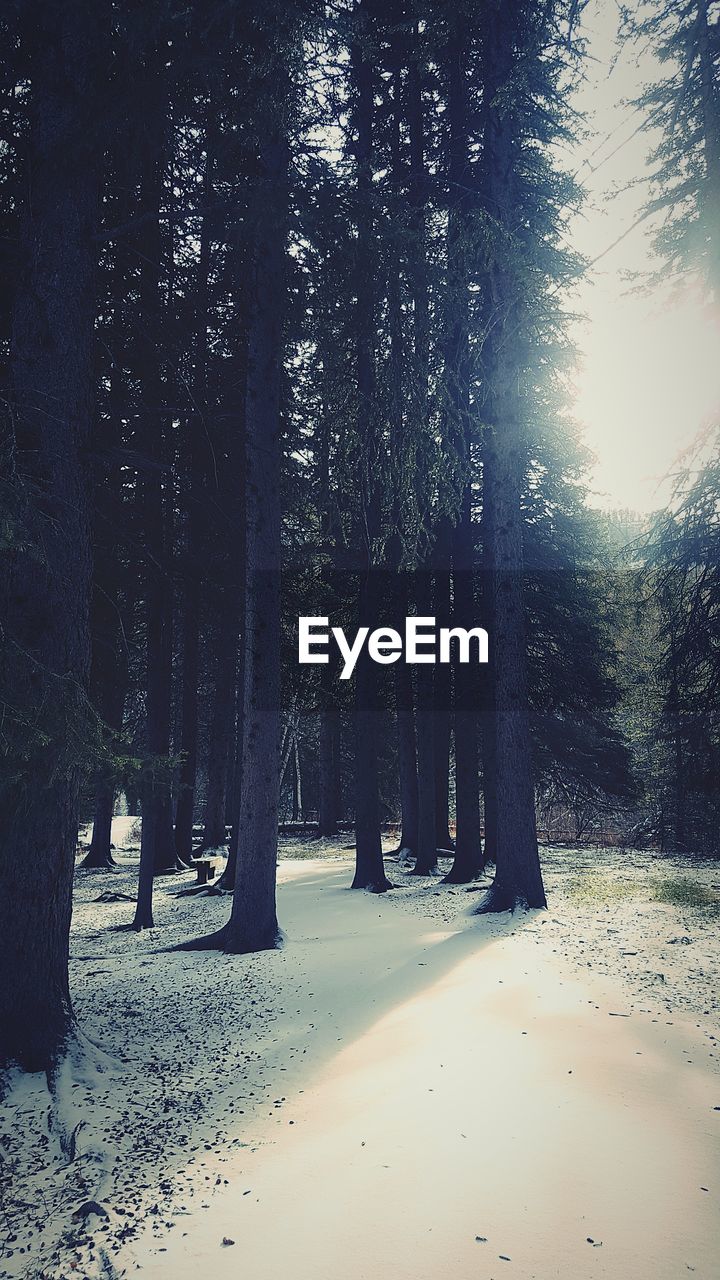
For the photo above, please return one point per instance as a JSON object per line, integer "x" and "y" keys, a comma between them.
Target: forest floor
{"x": 404, "y": 1090}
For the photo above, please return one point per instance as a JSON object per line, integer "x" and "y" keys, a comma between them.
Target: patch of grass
{"x": 598, "y": 888}
{"x": 305, "y": 850}
{"x": 685, "y": 892}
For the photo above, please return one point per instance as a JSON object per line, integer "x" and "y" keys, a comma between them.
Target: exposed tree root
{"x": 174, "y": 868}
{"x": 461, "y": 875}
{"x": 273, "y": 942}
{"x": 501, "y": 898}
{"x": 94, "y": 862}
{"x": 210, "y": 942}
{"x": 373, "y": 886}
{"x": 214, "y": 890}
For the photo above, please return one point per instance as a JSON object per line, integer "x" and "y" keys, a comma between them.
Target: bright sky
{"x": 650, "y": 377}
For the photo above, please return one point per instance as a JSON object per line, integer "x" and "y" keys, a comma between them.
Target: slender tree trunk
{"x": 157, "y": 844}
{"x": 199, "y": 431}
{"x": 108, "y": 686}
{"x": 329, "y": 717}
{"x": 488, "y": 716}
{"x": 227, "y": 880}
{"x": 468, "y": 851}
{"x": 442, "y": 718}
{"x": 185, "y": 808}
{"x": 407, "y": 761}
{"x": 253, "y": 923}
{"x": 468, "y": 861}
{"x": 99, "y": 855}
{"x": 222, "y": 724}
{"x": 369, "y": 865}
{"x": 113, "y": 599}
{"x": 518, "y": 879}
{"x": 426, "y": 861}
{"x": 45, "y": 599}
{"x": 328, "y": 761}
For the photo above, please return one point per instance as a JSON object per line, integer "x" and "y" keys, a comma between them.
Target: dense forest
{"x": 286, "y": 331}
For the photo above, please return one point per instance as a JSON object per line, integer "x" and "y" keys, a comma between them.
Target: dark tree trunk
{"x": 328, "y": 769}
{"x": 108, "y": 685}
{"x": 329, "y": 717}
{"x": 468, "y": 851}
{"x": 45, "y": 599}
{"x": 157, "y": 845}
{"x": 468, "y": 860}
{"x": 518, "y": 879}
{"x": 185, "y": 808}
{"x": 407, "y": 761}
{"x": 227, "y": 880}
{"x": 253, "y": 923}
{"x": 426, "y": 860}
{"x": 99, "y": 855}
{"x": 132, "y": 798}
{"x": 199, "y": 434}
{"x": 488, "y": 718}
{"x": 442, "y": 696}
{"x": 222, "y": 724}
{"x": 113, "y": 599}
{"x": 679, "y": 808}
{"x": 369, "y": 865}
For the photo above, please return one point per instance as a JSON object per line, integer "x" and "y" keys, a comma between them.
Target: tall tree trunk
{"x": 113, "y": 599}
{"x": 328, "y": 768}
{"x": 369, "y": 865}
{"x": 518, "y": 879}
{"x": 227, "y": 880}
{"x": 407, "y": 750}
{"x": 199, "y": 432}
{"x": 253, "y": 923}
{"x": 468, "y": 852}
{"x": 488, "y": 717}
{"x": 329, "y": 717}
{"x": 45, "y": 599}
{"x": 108, "y": 687}
{"x": 157, "y": 843}
{"x": 426, "y": 860}
{"x": 222, "y": 723}
{"x": 442, "y": 696}
{"x": 468, "y": 860}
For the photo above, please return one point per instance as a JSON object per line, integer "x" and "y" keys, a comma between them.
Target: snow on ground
{"x": 403, "y": 1090}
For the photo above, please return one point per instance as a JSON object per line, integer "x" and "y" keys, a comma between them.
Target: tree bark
{"x": 407, "y": 761}
{"x": 157, "y": 843}
{"x": 468, "y": 851}
{"x": 45, "y": 598}
{"x": 369, "y": 865}
{"x": 328, "y": 769}
{"x": 253, "y": 923}
{"x": 518, "y": 879}
{"x": 426, "y": 860}
{"x": 222, "y": 723}
{"x": 468, "y": 860}
{"x": 199, "y": 432}
{"x": 442, "y": 719}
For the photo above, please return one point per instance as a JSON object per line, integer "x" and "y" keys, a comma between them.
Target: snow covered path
{"x": 467, "y": 1110}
